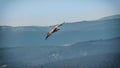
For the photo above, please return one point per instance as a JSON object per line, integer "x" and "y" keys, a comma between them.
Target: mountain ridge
{"x": 102, "y": 18}
{"x": 70, "y": 33}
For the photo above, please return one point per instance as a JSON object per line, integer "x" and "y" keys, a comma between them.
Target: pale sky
{"x": 50, "y": 12}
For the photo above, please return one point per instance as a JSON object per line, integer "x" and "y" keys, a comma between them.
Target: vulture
{"x": 53, "y": 30}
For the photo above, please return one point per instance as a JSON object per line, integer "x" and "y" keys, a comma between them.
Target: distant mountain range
{"x": 111, "y": 17}
{"x": 70, "y": 33}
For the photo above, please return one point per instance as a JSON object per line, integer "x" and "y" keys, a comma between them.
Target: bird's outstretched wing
{"x": 60, "y": 25}
{"x": 49, "y": 33}
{"x": 47, "y": 36}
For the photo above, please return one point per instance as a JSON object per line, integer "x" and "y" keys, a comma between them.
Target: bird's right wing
{"x": 59, "y": 25}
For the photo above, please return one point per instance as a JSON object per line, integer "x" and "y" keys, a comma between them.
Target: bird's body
{"x": 55, "y": 29}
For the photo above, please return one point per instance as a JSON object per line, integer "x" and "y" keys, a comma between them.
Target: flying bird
{"x": 55, "y": 29}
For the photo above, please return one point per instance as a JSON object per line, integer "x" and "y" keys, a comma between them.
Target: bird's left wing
{"x": 48, "y": 34}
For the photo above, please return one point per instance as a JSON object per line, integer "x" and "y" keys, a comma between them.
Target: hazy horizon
{"x": 46, "y": 13}
{"x": 56, "y": 23}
